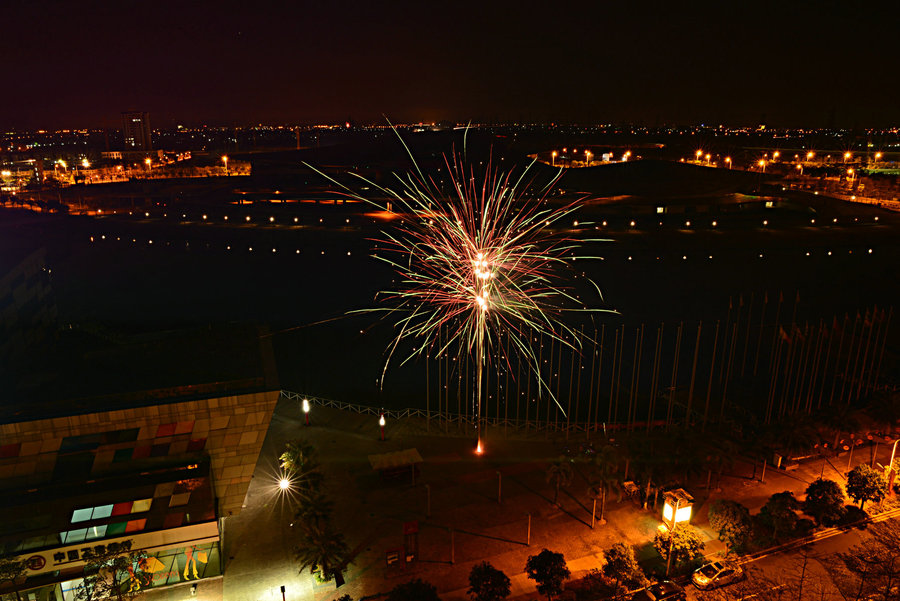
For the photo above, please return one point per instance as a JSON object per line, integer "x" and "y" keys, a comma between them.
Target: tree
{"x": 487, "y": 583}
{"x": 779, "y": 513}
{"x": 732, "y": 521}
{"x": 315, "y": 510}
{"x": 824, "y": 502}
{"x": 549, "y": 570}
{"x": 113, "y": 571}
{"x": 560, "y": 473}
{"x": 414, "y": 590}
{"x": 874, "y": 566}
{"x": 322, "y": 550}
{"x": 684, "y": 541}
{"x": 622, "y": 567}
{"x": 298, "y": 461}
{"x": 10, "y": 571}
{"x": 866, "y": 484}
{"x": 603, "y": 476}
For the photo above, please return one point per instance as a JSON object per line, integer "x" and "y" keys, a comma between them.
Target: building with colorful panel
{"x": 163, "y": 473}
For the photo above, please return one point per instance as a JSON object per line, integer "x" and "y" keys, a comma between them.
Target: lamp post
{"x": 728, "y": 160}
{"x": 381, "y": 423}
{"x": 306, "y": 410}
{"x": 553, "y": 158}
{"x": 800, "y": 167}
{"x": 225, "y": 160}
{"x": 671, "y": 539}
{"x": 810, "y": 155}
{"x": 148, "y": 162}
{"x": 708, "y": 157}
{"x": 698, "y": 154}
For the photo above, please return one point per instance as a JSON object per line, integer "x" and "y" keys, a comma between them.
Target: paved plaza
{"x": 371, "y": 510}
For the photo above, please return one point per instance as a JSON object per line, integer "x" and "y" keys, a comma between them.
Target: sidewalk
{"x": 371, "y": 512}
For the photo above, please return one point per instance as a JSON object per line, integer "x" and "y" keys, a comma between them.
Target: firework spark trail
{"x": 481, "y": 262}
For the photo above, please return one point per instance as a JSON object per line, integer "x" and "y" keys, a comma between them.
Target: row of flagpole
{"x": 637, "y": 377}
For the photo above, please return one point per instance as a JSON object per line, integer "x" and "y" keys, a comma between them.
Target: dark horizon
{"x": 80, "y": 65}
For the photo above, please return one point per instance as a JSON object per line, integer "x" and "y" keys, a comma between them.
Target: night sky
{"x": 79, "y": 64}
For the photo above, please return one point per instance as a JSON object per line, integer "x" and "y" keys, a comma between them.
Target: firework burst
{"x": 485, "y": 261}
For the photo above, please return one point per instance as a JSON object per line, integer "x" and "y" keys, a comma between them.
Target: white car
{"x": 716, "y": 574}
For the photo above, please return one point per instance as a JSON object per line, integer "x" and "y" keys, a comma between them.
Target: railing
{"x": 445, "y": 418}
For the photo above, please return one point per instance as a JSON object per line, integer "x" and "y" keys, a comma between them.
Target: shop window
{"x": 92, "y": 513}
{"x": 122, "y": 508}
{"x": 82, "y": 515}
{"x": 73, "y": 536}
{"x": 166, "y": 430}
{"x": 135, "y": 525}
{"x": 196, "y": 445}
{"x": 116, "y": 528}
{"x": 96, "y": 532}
{"x": 141, "y": 505}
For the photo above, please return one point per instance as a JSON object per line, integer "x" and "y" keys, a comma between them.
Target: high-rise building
{"x": 136, "y": 131}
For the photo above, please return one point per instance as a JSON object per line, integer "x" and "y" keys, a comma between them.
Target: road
{"x": 799, "y": 570}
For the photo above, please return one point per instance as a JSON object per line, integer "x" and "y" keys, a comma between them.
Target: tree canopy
{"x": 824, "y": 501}
{"x": 414, "y": 590}
{"x": 866, "y": 484}
{"x": 549, "y": 571}
{"x": 732, "y": 521}
{"x": 487, "y": 583}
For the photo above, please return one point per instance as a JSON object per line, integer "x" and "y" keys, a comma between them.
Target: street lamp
{"x": 306, "y": 410}
{"x": 762, "y": 165}
{"x": 775, "y": 155}
{"x": 728, "y": 160}
{"x": 847, "y": 156}
{"x": 284, "y": 483}
{"x": 147, "y": 162}
{"x": 800, "y": 167}
{"x": 225, "y": 160}
{"x": 699, "y": 154}
{"x": 553, "y": 158}
{"x": 708, "y": 156}
{"x": 810, "y": 155}
{"x": 381, "y": 423}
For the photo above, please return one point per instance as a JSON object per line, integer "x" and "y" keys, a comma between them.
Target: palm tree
{"x": 298, "y": 461}
{"x": 560, "y": 473}
{"x": 315, "y": 510}
{"x": 604, "y": 476}
{"x": 321, "y": 550}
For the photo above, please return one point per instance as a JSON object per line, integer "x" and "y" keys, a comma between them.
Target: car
{"x": 661, "y": 591}
{"x": 716, "y": 574}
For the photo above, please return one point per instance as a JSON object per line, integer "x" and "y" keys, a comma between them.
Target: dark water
{"x": 651, "y": 274}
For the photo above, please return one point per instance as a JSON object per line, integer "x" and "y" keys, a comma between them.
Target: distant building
{"x": 136, "y": 131}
